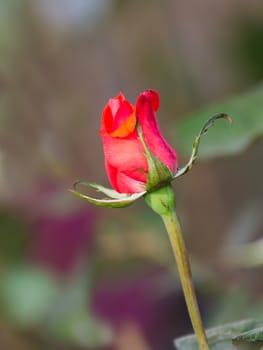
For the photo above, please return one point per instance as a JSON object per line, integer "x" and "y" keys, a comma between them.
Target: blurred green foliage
{"x": 247, "y": 44}
{"x": 14, "y": 237}
{"x": 233, "y": 304}
{"x": 72, "y": 322}
{"x": 247, "y": 113}
{"x": 32, "y": 298}
{"x": 27, "y": 294}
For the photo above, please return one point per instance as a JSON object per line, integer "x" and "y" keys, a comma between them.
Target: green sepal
{"x": 114, "y": 199}
{"x": 158, "y": 173}
{"x": 211, "y": 121}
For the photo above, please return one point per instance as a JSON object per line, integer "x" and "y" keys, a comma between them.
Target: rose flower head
{"x": 130, "y": 135}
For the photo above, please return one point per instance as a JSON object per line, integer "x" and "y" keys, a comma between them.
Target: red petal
{"x": 125, "y": 183}
{"x": 124, "y": 121}
{"x": 147, "y": 104}
{"x": 124, "y": 157}
{"x": 115, "y": 103}
{"x": 118, "y": 118}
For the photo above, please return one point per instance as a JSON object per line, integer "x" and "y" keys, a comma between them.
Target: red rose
{"x": 125, "y": 159}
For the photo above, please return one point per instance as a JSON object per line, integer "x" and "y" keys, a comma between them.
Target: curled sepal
{"x": 158, "y": 173}
{"x": 113, "y": 199}
{"x": 211, "y": 121}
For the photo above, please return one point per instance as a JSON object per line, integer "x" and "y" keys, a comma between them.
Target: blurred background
{"x": 73, "y": 276}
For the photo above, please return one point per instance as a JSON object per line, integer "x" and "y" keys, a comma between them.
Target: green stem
{"x": 175, "y": 235}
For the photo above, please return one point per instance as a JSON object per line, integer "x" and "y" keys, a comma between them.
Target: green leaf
{"x": 219, "y": 338}
{"x": 114, "y": 199}
{"x": 247, "y": 112}
{"x": 252, "y": 336}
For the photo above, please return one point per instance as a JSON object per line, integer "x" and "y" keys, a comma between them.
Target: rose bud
{"x": 135, "y": 150}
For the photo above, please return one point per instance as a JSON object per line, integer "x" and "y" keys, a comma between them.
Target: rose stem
{"x": 175, "y": 235}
